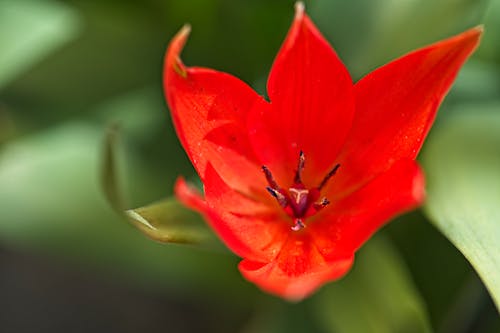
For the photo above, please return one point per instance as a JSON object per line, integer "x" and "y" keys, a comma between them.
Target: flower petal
{"x": 209, "y": 111}
{"x": 352, "y": 220}
{"x": 249, "y": 228}
{"x": 324, "y": 251}
{"x": 312, "y": 105}
{"x": 396, "y": 106}
{"x": 298, "y": 271}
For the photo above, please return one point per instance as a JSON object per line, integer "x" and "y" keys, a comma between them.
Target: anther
{"x": 299, "y": 225}
{"x": 328, "y": 176}
{"x": 321, "y": 204}
{"x": 300, "y": 167}
{"x": 299, "y": 201}
{"x": 278, "y": 195}
{"x": 269, "y": 178}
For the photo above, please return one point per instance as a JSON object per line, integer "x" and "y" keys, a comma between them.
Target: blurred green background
{"x": 69, "y": 263}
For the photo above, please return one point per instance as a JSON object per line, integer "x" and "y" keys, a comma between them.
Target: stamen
{"x": 278, "y": 195}
{"x": 321, "y": 204}
{"x": 300, "y": 167}
{"x": 328, "y": 176}
{"x": 269, "y": 178}
{"x": 298, "y": 225}
{"x": 299, "y": 201}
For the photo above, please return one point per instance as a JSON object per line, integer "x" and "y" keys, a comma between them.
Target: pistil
{"x": 298, "y": 201}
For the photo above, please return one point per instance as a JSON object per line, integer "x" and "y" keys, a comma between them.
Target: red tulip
{"x": 296, "y": 184}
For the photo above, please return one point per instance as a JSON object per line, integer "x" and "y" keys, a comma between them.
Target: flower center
{"x": 298, "y": 201}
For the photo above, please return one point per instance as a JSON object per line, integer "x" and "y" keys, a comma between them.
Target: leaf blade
{"x": 181, "y": 226}
{"x": 165, "y": 221}
{"x": 377, "y": 296}
{"x": 463, "y": 163}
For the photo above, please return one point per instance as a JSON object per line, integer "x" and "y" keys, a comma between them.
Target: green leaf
{"x": 109, "y": 179}
{"x": 139, "y": 116}
{"x": 462, "y": 162}
{"x": 377, "y": 296}
{"x": 29, "y": 31}
{"x": 51, "y": 204}
{"x": 166, "y": 221}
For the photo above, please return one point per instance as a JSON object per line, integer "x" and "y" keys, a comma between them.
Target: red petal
{"x": 249, "y": 228}
{"x": 396, "y": 106}
{"x": 312, "y": 105}
{"x": 189, "y": 196}
{"x": 299, "y": 270}
{"x": 209, "y": 111}
{"x": 324, "y": 251}
{"x": 352, "y": 220}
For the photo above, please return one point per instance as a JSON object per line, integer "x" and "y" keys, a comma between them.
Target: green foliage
{"x": 463, "y": 163}
{"x": 51, "y": 203}
{"x": 166, "y": 221}
{"x": 378, "y": 296}
{"x": 29, "y": 31}
{"x": 368, "y": 33}
{"x": 70, "y": 69}
{"x": 490, "y": 49}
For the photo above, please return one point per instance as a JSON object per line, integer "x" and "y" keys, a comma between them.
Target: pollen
{"x": 298, "y": 201}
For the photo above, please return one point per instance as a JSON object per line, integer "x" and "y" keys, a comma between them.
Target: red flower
{"x": 295, "y": 185}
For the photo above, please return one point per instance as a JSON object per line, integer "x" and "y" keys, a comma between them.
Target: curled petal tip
{"x": 185, "y": 30}
{"x": 181, "y": 37}
{"x": 299, "y": 10}
{"x": 173, "y": 60}
{"x": 473, "y": 36}
{"x": 475, "y": 32}
{"x": 478, "y": 31}
{"x": 189, "y": 195}
{"x": 479, "y": 28}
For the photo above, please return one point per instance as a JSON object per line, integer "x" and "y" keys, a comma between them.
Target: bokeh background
{"x": 69, "y": 263}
